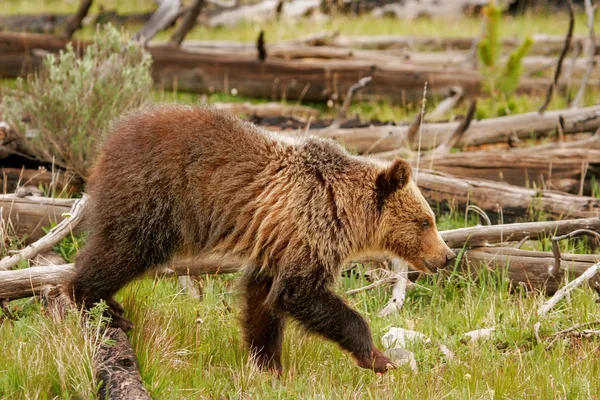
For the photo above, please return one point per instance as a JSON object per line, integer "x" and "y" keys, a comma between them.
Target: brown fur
{"x": 178, "y": 179}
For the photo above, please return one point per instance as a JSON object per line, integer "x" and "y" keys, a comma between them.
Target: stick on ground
{"x": 562, "y": 292}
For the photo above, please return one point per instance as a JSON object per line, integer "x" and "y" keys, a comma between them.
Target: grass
{"x": 189, "y": 349}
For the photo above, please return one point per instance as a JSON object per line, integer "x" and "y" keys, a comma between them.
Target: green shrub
{"x": 62, "y": 112}
{"x": 498, "y": 79}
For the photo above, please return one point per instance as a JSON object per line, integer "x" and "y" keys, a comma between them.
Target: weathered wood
{"x": 25, "y": 217}
{"x": 59, "y": 180}
{"x": 162, "y": 17}
{"x": 483, "y": 235}
{"x": 189, "y": 21}
{"x": 116, "y": 366}
{"x": 485, "y": 131}
{"x": 54, "y": 236}
{"x": 542, "y": 43}
{"x": 529, "y": 269}
{"x": 502, "y": 201}
{"x": 567, "y": 170}
{"x": 26, "y": 282}
{"x": 74, "y": 22}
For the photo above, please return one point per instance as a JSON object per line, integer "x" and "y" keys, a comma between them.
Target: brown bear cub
{"x": 185, "y": 180}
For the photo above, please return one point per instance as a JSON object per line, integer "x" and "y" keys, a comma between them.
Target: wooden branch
{"x": 163, "y": 17}
{"x": 361, "y": 84}
{"x": 452, "y": 140}
{"x": 556, "y": 250}
{"x": 115, "y": 364}
{"x": 189, "y": 21}
{"x": 563, "y": 53}
{"x": 560, "y": 294}
{"x": 55, "y": 235}
{"x": 591, "y": 63}
{"x": 445, "y": 106}
{"x": 74, "y": 22}
{"x": 484, "y": 235}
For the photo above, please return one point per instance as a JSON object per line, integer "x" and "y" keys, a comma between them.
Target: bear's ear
{"x": 393, "y": 178}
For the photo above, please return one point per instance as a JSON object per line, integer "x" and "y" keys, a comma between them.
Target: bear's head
{"x": 407, "y": 224}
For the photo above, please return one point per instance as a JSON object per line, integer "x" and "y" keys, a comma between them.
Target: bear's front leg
{"x": 321, "y": 311}
{"x": 262, "y": 326}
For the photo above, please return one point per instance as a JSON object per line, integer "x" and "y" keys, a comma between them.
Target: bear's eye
{"x": 425, "y": 224}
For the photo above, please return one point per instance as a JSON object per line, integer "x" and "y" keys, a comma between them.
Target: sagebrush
{"x": 62, "y": 111}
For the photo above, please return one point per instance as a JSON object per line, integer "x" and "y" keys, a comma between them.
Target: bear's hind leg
{"x": 321, "y": 311}
{"x": 101, "y": 269}
{"x": 262, "y": 325}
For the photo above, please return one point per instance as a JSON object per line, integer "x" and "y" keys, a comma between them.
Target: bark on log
{"x": 529, "y": 269}
{"x": 26, "y": 282}
{"x": 13, "y": 178}
{"x": 116, "y": 366}
{"x": 566, "y": 170}
{"x": 542, "y": 44}
{"x": 483, "y": 235}
{"x": 485, "y": 131}
{"x": 25, "y": 217}
{"x": 504, "y": 202}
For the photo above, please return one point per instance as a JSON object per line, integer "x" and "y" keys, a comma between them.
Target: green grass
{"x": 189, "y": 349}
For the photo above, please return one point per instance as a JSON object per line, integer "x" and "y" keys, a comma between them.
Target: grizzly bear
{"x": 178, "y": 179}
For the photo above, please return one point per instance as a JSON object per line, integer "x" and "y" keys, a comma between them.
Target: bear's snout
{"x": 441, "y": 260}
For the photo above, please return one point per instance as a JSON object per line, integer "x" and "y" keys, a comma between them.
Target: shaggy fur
{"x": 184, "y": 180}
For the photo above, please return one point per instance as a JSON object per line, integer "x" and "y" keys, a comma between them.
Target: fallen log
{"x": 25, "y": 217}
{"x": 485, "y": 131}
{"x": 57, "y": 181}
{"x": 566, "y": 170}
{"x": 115, "y": 364}
{"x": 529, "y": 269}
{"x": 503, "y": 202}
{"x": 492, "y": 234}
{"x": 542, "y": 44}
{"x": 27, "y": 282}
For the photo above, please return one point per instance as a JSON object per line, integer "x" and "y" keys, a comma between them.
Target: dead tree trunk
{"x": 116, "y": 366}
